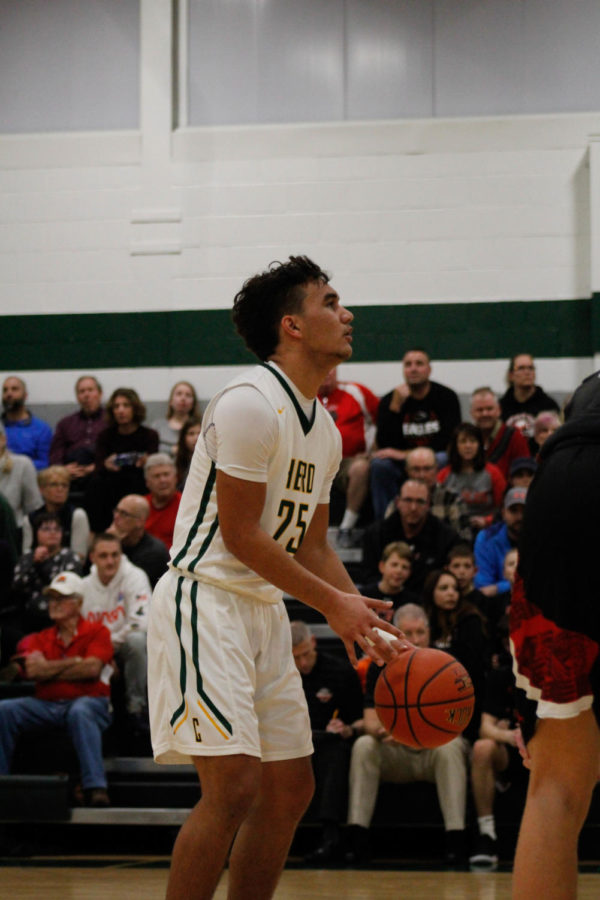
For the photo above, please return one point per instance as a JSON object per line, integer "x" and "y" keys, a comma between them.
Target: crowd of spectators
{"x": 433, "y": 505}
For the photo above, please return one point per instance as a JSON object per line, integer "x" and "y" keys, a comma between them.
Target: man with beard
{"x": 418, "y": 413}
{"x": 25, "y": 433}
{"x": 493, "y": 543}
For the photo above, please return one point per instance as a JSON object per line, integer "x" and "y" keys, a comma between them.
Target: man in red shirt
{"x": 69, "y": 663}
{"x": 164, "y": 498}
{"x": 353, "y": 408}
{"x": 502, "y": 443}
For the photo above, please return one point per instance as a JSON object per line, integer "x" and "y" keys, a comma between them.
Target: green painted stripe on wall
{"x": 553, "y": 328}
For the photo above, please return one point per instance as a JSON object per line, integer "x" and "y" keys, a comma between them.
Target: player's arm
{"x": 240, "y": 505}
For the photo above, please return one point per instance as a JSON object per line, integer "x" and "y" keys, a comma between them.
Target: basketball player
{"x": 555, "y": 637}
{"x": 252, "y": 523}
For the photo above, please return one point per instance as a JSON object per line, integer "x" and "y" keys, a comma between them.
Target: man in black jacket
{"x": 429, "y": 538}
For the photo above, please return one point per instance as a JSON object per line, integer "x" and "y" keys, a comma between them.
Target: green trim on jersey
{"x": 208, "y": 487}
{"x": 182, "y": 666}
{"x": 306, "y": 423}
{"x": 199, "y": 683}
{"x": 205, "y": 544}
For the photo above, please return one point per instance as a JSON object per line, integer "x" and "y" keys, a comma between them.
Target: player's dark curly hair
{"x": 265, "y": 298}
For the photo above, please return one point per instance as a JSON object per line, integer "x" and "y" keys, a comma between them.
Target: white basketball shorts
{"x": 221, "y": 676}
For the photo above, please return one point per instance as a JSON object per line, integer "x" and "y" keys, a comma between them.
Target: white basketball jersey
{"x": 300, "y": 472}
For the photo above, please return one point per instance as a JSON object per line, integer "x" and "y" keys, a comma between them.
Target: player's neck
{"x": 306, "y": 377}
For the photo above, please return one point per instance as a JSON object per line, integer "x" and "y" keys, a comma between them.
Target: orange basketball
{"x": 424, "y": 698}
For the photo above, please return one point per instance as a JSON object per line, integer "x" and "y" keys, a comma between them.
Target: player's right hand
{"x": 356, "y": 621}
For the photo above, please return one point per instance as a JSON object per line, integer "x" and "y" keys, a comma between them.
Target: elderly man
{"x": 164, "y": 498}
{"x": 418, "y": 413}
{"x": 25, "y": 433}
{"x": 377, "y": 757}
{"x": 502, "y": 443}
{"x": 139, "y": 546}
{"x": 69, "y": 664}
{"x": 493, "y": 543}
{"x": 429, "y": 538}
{"x": 74, "y": 441}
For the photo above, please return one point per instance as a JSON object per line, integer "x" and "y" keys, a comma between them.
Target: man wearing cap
{"x": 493, "y": 543}
{"x": 69, "y": 664}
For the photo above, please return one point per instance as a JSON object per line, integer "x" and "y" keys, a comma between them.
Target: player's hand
{"x": 520, "y": 743}
{"x": 356, "y": 621}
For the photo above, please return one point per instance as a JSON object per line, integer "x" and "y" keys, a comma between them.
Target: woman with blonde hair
{"x": 183, "y": 405}
{"x": 54, "y": 485}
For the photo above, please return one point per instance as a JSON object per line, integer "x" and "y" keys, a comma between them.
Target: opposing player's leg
{"x": 564, "y": 768}
{"x": 263, "y": 840}
{"x": 229, "y": 786}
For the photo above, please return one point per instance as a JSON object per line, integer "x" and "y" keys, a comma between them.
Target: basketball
{"x": 424, "y": 698}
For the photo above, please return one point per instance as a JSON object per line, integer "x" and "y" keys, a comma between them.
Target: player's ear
{"x": 290, "y": 325}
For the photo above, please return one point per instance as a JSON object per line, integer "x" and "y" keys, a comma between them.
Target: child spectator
{"x": 521, "y": 471}
{"x": 461, "y": 562}
{"x": 395, "y": 567}
{"x": 479, "y": 484}
{"x": 457, "y": 627}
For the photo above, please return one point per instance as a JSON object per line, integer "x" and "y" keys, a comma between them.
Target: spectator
{"x": 521, "y": 471}
{"x": 18, "y": 483}
{"x": 334, "y": 699}
{"x": 121, "y": 451}
{"x": 69, "y": 663}
{"x": 37, "y": 568}
{"x": 418, "y": 413}
{"x": 495, "y": 757}
{"x": 429, "y": 538}
{"x": 75, "y": 436}
{"x": 9, "y": 549}
{"x": 544, "y": 425}
{"x": 458, "y": 627}
{"x": 421, "y": 464}
{"x": 377, "y": 757}
{"x": 54, "y": 488}
{"x": 502, "y": 443}
{"x": 186, "y": 444}
{"x": 116, "y": 594}
{"x": 183, "y": 404}
{"x": 141, "y": 548}
{"x": 492, "y": 544}
{"x": 25, "y": 434}
{"x": 480, "y": 485}
{"x": 163, "y": 499}
{"x": 524, "y": 399}
{"x": 395, "y": 567}
{"x": 353, "y": 408}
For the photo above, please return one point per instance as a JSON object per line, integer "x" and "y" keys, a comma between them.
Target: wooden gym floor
{"x": 120, "y": 879}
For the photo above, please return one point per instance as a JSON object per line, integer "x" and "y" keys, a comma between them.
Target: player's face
{"x": 182, "y": 398}
{"x": 463, "y": 569}
{"x": 89, "y": 395}
{"x": 325, "y": 325}
{"x": 467, "y": 447}
{"x": 161, "y": 481}
{"x": 106, "y": 556}
{"x": 415, "y": 630}
{"x": 394, "y": 571}
{"x": 445, "y": 593}
{"x": 305, "y": 656}
{"x": 416, "y": 368}
{"x": 485, "y": 411}
{"x": 421, "y": 464}
{"x": 523, "y": 372}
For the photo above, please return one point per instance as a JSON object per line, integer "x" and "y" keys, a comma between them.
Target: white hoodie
{"x": 122, "y": 604}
